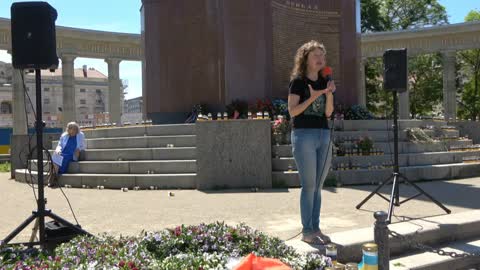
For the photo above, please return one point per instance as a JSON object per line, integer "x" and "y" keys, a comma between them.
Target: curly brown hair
{"x": 301, "y": 57}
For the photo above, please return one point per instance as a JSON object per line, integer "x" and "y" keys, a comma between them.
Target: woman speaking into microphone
{"x": 310, "y": 104}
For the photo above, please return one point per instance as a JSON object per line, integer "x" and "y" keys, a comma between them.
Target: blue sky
{"x": 124, "y": 16}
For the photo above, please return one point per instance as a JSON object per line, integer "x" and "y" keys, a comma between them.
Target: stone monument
{"x": 213, "y": 51}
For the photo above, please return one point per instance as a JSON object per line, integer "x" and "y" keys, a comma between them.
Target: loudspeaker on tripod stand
{"x": 33, "y": 35}
{"x": 395, "y": 70}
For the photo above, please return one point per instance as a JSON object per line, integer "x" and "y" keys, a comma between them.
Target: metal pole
{"x": 381, "y": 239}
{"x": 39, "y": 131}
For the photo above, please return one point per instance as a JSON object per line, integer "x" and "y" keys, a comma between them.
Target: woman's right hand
{"x": 58, "y": 152}
{"x": 314, "y": 94}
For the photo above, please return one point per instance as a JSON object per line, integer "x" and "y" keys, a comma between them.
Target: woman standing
{"x": 310, "y": 104}
{"x": 68, "y": 149}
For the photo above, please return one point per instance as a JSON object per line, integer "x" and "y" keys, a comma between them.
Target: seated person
{"x": 70, "y": 145}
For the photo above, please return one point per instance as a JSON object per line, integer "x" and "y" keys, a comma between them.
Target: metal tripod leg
{"x": 421, "y": 191}
{"x": 393, "y": 197}
{"x": 19, "y": 228}
{"x": 390, "y": 179}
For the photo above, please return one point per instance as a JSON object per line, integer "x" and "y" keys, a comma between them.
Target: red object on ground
{"x": 252, "y": 262}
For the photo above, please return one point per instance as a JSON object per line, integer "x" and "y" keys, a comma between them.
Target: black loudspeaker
{"x": 395, "y": 70}
{"x": 34, "y": 43}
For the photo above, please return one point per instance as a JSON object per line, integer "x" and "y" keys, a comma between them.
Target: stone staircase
{"x": 142, "y": 156}
{"x": 418, "y": 161}
{"x": 455, "y": 232}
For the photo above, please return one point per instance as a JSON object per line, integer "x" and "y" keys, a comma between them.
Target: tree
{"x": 372, "y": 20}
{"x": 391, "y": 15}
{"x": 425, "y": 83}
{"x": 469, "y": 74}
{"x": 405, "y": 14}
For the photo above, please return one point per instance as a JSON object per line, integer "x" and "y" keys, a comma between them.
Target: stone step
{"x": 454, "y": 227}
{"x": 404, "y": 160}
{"x": 127, "y": 154}
{"x": 139, "y": 142}
{"x": 157, "y": 130}
{"x": 127, "y": 167}
{"x": 430, "y": 261}
{"x": 413, "y": 173}
{"x": 116, "y": 181}
{"x": 387, "y": 148}
{"x": 384, "y": 124}
{"x": 387, "y": 136}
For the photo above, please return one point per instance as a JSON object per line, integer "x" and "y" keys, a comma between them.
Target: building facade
{"x": 133, "y": 105}
{"x": 91, "y": 96}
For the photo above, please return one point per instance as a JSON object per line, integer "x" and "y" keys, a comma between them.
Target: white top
{"x": 81, "y": 145}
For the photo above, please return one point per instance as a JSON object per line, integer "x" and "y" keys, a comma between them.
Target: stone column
{"x": 404, "y": 105}
{"x": 449, "y": 91}
{"x": 68, "y": 78}
{"x": 19, "y": 138}
{"x": 18, "y": 99}
{"x": 114, "y": 90}
{"x": 362, "y": 90}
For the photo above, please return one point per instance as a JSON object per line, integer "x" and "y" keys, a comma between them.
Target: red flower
{"x": 178, "y": 231}
{"x": 121, "y": 264}
{"x": 131, "y": 265}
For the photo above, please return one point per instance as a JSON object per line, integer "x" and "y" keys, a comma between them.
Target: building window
{"x": 82, "y": 90}
{"x": 6, "y": 107}
{"x": 46, "y": 89}
{"x": 98, "y": 91}
{"x": 83, "y": 101}
{"x": 98, "y": 101}
{"x": 46, "y": 101}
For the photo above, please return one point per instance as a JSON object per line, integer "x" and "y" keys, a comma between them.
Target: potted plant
{"x": 281, "y": 131}
{"x": 365, "y": 145}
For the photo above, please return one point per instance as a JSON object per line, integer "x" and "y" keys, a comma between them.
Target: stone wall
{"x": 234, "y": 154}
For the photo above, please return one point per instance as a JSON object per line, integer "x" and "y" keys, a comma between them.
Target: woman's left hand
{"x": 77, "y": 153}
{"x": 331, "y": 86}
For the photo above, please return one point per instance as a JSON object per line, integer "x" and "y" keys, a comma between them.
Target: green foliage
{"x": 425, "y": 83}
{"x": 378, "y": 100}
{"x": 405, "y": 14}
{"x": 372, "y": 19}
{"x": 5, "y": 167}
{"x": 469, "y": 78}
{"x": 391, "y": 15}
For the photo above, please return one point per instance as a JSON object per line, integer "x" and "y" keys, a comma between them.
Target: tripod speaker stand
{"x": 395, "y": 79}
{"x": 33, "y": 28}
{"x": 41, "y": 211}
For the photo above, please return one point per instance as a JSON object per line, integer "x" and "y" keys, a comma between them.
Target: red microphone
{"x": 327, "y": 73}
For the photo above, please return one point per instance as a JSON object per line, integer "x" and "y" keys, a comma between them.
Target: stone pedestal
{"x": 234, "y": 154}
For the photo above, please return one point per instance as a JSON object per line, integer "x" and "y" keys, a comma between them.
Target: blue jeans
{"x": 313, "y": 161}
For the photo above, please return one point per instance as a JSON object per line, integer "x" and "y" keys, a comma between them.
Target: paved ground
{"x": 275, "y": 212}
